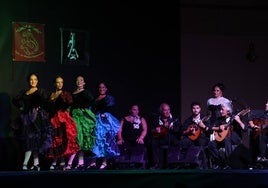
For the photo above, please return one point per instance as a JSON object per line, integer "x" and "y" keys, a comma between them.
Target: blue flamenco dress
{"x": 106, "y": 129}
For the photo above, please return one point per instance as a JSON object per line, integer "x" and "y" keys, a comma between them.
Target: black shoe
{"x": 92, "y": 166}
{"x": 155, "y": 167}
{"x": 24, "y": 167}
{"x": 61, "y": 167}
{"x": 227, "y": 167}
{"x": 216, "y": 167}
{"x": 53, "y": 167}
{"x": 35, "y": 168}
{"x": 80, "y": 167}
{"x": 261, "y": 159}
{"x": 68, "y": 167}
{"x": 103, "y": 166}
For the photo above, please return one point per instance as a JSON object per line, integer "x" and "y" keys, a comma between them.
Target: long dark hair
{"x": 219, "y": 85}
{"x": 30, "y": 74}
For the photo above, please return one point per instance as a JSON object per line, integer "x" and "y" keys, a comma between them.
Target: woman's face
{"x": 80, "y": 82}
{"x": 217, "y": 92}
{"x": 134, "y": 111}
{"x": 33, "y": 81}
{"x": 59, "y": 83}
{"x": 102, "y": 89}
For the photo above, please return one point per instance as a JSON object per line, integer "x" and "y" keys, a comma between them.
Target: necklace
{"x": 78, "y": 90}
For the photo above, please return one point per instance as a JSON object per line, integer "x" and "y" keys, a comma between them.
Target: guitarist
{"x": 194, "y": 129}
{"x": 165, "y": 131}
{"x": 234, "y": 127}
{"x": 259, "y": 124}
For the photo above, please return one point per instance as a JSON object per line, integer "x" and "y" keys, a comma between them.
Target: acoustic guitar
{"x": 262, "y": 127}
{"x": 221, "y": 135}
{"x": 194, "y": 131}
{"x": 163, "y": 129}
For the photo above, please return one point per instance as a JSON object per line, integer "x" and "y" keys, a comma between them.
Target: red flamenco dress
{"x": 65, "y": 131}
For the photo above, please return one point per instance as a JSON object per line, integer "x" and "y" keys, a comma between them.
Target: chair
{"x": 173, "y": 158}
{"x": 131, "y": 158}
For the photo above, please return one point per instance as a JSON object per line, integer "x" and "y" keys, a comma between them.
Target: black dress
{"x": 34, "y": 127}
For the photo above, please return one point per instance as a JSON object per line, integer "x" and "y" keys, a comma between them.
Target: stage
{"x": 183, "y": 178}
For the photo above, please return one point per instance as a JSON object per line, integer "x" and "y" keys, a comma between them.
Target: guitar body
{"x": 164, "y": 129}
{"x": 194, "y": 131}
{"x": 163, "y": 132}
{"x": 262, "y": 128}
{"x": 221, "y": 135}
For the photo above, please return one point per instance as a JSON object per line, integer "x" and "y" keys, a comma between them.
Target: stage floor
{"x": 183, "y": 178}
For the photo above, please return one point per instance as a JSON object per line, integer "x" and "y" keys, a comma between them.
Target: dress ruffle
{"x": 85, "y": 122}
{"x": 106, "y": 131}
{"x": 36, "y": 131}
{"x": 64, "y": 142}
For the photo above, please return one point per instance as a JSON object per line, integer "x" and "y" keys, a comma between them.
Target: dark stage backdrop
{"x": 147, "y": 54}
{"x": 224, "y": 42}
{"x": 133, "y": 48}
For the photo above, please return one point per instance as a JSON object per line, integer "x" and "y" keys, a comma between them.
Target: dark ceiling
{"x": 248, "y": 4}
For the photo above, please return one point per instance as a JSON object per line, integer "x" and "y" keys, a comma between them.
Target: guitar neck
{"x": 240, "y": 114}
{"x": 206, "y": 118}
{"x": 243, "y": 112}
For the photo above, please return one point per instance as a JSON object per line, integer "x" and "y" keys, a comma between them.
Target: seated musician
{"x": 194, "y": 129}
{"x": 259, "y": 140}
{"x": 165, "y": 132}
{"x": 227, "y": 132}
